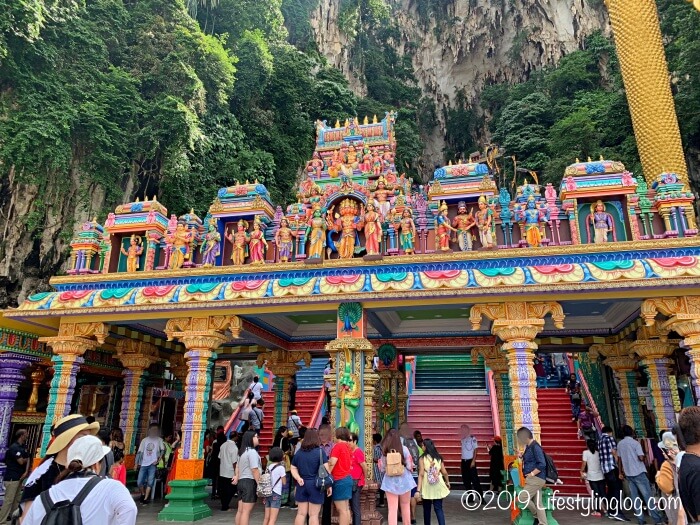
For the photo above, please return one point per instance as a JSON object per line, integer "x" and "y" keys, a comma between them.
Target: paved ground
{"x": 454, "y": 512}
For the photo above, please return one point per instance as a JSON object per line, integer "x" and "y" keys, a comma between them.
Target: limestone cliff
{"x": 469, "y": 44}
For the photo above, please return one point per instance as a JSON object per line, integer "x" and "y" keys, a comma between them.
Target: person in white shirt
{"x": 256, "y": 388}
{"x": 592, "y": 473}
{"x": 631, "y": 457}
{"x": 469, "y": 445}
{"x": 106, "y": 501}
{"x": 151, "y": 449}
{"x": 228, "y": 457}
{"x": 278, "y": 479}
{"x": 294, "y": 424}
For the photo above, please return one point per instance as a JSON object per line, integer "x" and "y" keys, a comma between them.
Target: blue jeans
{"x": 147, "y": 476}
{"x": 437, "y": 504}
{"x": 639, "y": 487}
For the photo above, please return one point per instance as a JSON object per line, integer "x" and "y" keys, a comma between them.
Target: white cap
{"x": 88, "y": 450}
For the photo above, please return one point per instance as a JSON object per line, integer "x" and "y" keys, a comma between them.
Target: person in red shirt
{"x": 358, "y": 473}
{"x": 340, "y": 464}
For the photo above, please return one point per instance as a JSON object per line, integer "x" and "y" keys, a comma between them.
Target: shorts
{"x": 414, "y": 490}
{"x": 247, "y": 490}
{"x": 147, "y": 476}
{"x": 308, "y": 493}
{"x": 342, "y": 489}
{"x": 274, "y": 501}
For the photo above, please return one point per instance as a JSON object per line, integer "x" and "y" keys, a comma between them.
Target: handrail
{"x": 234, "y": 416}
{"x": 494, "y": 403}
{"x": 318, "y": 408}
{"x": 591, "y": 401}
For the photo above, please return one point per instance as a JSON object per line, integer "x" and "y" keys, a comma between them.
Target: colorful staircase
{"x": 305, "y": 404}
{"x": 450, "y": 391}
{"x": 449, "y": 372}
{"x": 311, "y": 378}
{"x": 439, "y": 416}
{"x": 559, "y": 438}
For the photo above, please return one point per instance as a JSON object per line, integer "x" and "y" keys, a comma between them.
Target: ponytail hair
{"x": 74, "y": 467}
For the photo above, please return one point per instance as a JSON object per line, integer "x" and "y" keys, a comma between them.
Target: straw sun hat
{"x": 65, "y": 429}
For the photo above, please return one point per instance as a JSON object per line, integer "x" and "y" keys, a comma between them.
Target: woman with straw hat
{"x": 63, "y": 433}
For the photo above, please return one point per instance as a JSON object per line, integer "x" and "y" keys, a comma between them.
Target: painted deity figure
{"x": 443, "y": 229}
{"x": 352, "y": 156}
{"x": 347, "y": 223}
{"x": 316, "y": 233}
{"x": 133, "y": 253}
{"x": 366, "y": 165}
{"x": 257, "y": 244}
{"x": 376, "y": 164}
{"x": 313, "y": 200}
{"x": 315, "y": 165}
{"x": 284, "y": 241}
{"x": 464, "y": 222}
{"x": 373, "y": 229}
{"x": 484, "y": 220}
{"x": 180, "y": 241}
{"x": 532, "y": 217}
{"x": 601, "y": 221}
{"x": 407, "y": 233}
{"x": 381, "y": 196}
{"x": 211, "y": 246}
{"x": 240, "y": 243}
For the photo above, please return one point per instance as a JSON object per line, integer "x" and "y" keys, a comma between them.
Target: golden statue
{"x": 347, "y": 223}
{"x": 240, "y": 243}
{"x": 132, "y": 254}
{"x": 180, "y": 241}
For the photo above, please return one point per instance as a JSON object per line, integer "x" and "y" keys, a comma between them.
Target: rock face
{"x": 472, "y": 43}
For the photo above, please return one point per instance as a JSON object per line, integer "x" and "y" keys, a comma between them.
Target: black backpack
{"x": 66, "y": 512}
{"x": 551, "y": 473}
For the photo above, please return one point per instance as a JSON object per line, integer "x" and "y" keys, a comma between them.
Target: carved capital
{"x": 349, "y": 343}
{"x": 135, "y": 354}
{"x": 283, "y": 362}
{"x": 74, "y": 339}
{"x": 517, "y": 312}
{"x": 621, "y": 364}
{"x": 206, "y": 333}
{"x": 651, "y": 349}
{"x": 685, "y": 308}
{"x": 523, "y": 333}
{"x": 493, "y": 357}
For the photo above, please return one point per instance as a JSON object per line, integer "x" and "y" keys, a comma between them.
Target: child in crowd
{"x": 278, "y": 479}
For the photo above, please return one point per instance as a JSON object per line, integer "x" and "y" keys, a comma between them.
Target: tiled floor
{"x": 454, "y": 512}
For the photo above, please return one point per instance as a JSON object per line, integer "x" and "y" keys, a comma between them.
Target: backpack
{"x": 433, "y": 473}
{"x": 323, "y": 477}
{"x": 292, "y": 425}
{"x": 255, "y": 412}
{"x": 66, "y": 512}
{"x": 394, "y": 466}
{"x": 551, "y": 474}
{"x": 265, "y": 485}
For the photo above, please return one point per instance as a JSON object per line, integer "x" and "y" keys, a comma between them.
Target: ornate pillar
{"x": 635, "y": 25}
{"x": 683, "y": 318}
{"x": 68, "y": 347}
{"x": 653, "y": 349}
{"x": 353, "y": 381}
{"x": 201, "y": 336}
{"x": 496, "y": 361}
{"x": 11, "y": 372}
{"x": 136, "y": 356}
{"x": 517, "y": 324}
{"x": 624, "y": 367}
{"x": 284, "y": 365}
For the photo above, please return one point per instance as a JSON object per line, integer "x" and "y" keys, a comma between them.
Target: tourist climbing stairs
{"x": 450, "y": 390}
{"x": 560, "y": 438}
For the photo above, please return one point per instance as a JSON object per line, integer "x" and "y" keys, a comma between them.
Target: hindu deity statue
{"x": 376, "y": 164}
{"x": 240, "y": 243}
{"x": 211, "y": 246}
{"x": 314, "y": 199}
{"x": 316, "y": 233}
{"x": 315, "y": 165}
{"x": 257, "y": 243}
{"x": 484, "y": 221}
{"x": 352, "y": 157}
{"x": 335, "y": 163}
{"x": 464, "y": 222}
{"x": 373, "y": 229}
{"x": 381, "y": 195}
{"x": 180, "y": 241}
{"x": 284, "y": 241}
{"x": 347, "y": 223}
{"x": 133, "y": 253}
{"x": 534, "y": 220}
{"x": 407, "y": 234}
{"x": 602, "y": 223}
{"x": 443, "y": 229}
{"x": 366, "y": 164}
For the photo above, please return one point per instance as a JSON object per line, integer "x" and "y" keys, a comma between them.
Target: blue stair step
{"x": 311, "y": 378}
{"x": 449, "y": 372}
